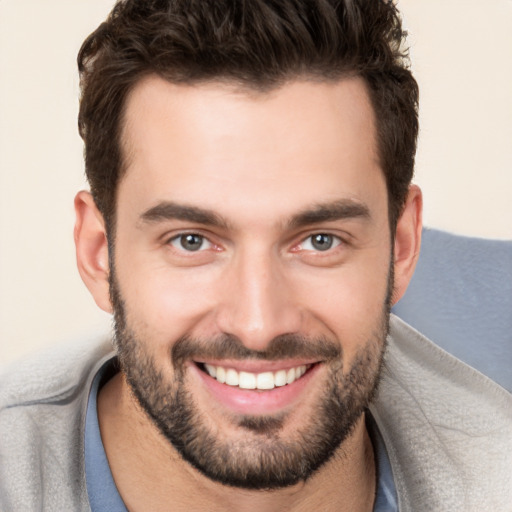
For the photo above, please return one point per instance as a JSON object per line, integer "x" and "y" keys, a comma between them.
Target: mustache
{"x": 227, "y": 346}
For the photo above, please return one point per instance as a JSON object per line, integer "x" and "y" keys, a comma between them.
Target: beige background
{"x": 462, "y": 56}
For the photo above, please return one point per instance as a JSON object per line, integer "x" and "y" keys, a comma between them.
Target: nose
{"x": 258, "y": 301}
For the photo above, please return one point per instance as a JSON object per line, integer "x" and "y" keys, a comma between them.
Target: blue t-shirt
{"x": 102, "y": 490}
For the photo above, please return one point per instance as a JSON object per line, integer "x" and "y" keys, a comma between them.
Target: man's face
{"x": 252, "y": 271}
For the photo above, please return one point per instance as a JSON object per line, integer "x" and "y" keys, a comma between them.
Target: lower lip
{"x": 256, "y": 402}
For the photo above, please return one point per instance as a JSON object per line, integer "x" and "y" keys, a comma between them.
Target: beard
{"x": 262, "y": 457}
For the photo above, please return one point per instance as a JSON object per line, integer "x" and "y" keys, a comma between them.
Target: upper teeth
{"x": 246, "y": 380}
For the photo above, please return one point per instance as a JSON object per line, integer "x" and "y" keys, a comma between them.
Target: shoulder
{"x": 446, "y": 426}
{"x": 50, "y": 375}
{"x": 43, "y": 401}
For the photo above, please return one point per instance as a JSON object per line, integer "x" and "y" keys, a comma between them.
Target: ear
{"x": 407, "y": 241}
{"x": 92, "y": 249}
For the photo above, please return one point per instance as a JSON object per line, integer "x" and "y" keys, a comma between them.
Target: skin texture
{"x": 257, "y": 175}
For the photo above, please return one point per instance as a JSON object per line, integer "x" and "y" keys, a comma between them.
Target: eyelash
{"x": 335, "y": 242}
{"x": 179, "y": 239}
{"x": 178, "y": 242}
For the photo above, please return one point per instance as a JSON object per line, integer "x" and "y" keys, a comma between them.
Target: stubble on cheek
{"x": 262, "y": 458}
{"x": 259, "y": 456}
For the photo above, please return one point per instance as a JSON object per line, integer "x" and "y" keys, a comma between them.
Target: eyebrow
{"x": 328, "y": 212}
{"x": 324, "y": 212}
{"x": 167, "y": 210}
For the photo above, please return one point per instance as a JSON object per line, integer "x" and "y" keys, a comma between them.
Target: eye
{"x": 190, "y": 242}
{"x": 320, "y": 242}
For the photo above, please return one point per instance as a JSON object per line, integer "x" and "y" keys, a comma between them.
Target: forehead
{"x": 209, "y": 144}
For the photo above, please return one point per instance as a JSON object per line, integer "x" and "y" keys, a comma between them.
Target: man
{"x": 250, "y": 223}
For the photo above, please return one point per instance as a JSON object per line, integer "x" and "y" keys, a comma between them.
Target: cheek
{"x": 164, "y": 304}
{"x": 349, "y": 302}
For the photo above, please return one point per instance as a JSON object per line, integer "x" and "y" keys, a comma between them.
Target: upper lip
{"x": 255, "y": 366}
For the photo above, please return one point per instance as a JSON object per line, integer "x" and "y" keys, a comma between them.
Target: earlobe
{"x": 407, "y": 241}
{"x": 92, "y": 249}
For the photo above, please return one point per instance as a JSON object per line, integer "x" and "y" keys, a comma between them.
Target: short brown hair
{"x": 259, "y": 44}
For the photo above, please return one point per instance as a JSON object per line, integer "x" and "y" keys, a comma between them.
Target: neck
{"x": 151, "y": 474}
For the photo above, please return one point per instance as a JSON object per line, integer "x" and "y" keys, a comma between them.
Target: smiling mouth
{"x": 259, "y": 381}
